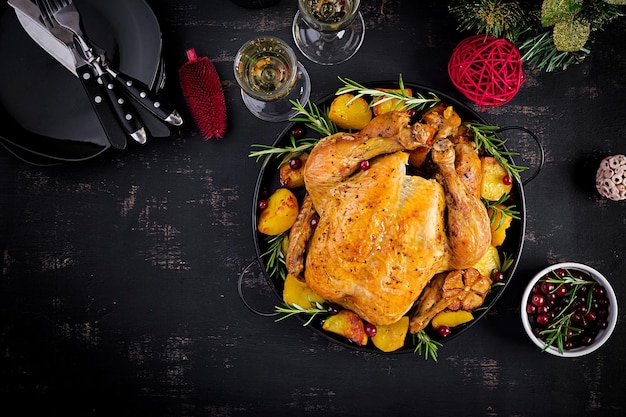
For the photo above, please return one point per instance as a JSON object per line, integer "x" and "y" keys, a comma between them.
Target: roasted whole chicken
{"x": 383, "y": 234}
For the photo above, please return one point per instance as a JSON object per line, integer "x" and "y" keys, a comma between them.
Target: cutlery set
{"x": 55, "y": 25}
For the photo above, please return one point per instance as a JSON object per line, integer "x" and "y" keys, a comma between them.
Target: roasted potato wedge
{"x": 500, "y": 222}
{"x": 348, "y": 324}
{"x": 348, "y": 112}
{"x": 451, "y": 318}
{"x": 489, "y": 262}
{"x": 493, "y": 184}
{"x": 280, "y": 214}
{"x": 391, "y": 337}
{"x": 297, "y": 292}
{"x": 290, "y": 176}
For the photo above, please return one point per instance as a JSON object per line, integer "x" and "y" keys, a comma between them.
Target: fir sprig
{"x": 425, "y": 345}
{"x": 485, "y": 138}
{"x": 416, "y": 101}
{"x": 540, "y": 52}
{"x": 498, "y": 18}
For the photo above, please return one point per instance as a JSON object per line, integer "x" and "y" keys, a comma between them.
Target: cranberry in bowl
{"x": 569, "y": 309}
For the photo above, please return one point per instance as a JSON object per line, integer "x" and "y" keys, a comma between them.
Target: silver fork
{"x": 65, "y": 14}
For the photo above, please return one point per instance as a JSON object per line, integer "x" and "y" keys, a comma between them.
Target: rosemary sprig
{"x": 561, "y": 328}
{"x": 314, "y": 118}
{"x": 417, "y": 101}
{"x": 426, "y": 346}
{"x": 486, "y": 139}
{"x": 292, "y": 310}
{"x": 499, "y": 210}
{"x": 506, "y": 262}
{"x": 274, "y": 256}
{"x": 559, "y": 331}
{"x": 294, "y": 148}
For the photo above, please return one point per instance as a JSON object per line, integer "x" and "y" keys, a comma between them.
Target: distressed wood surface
{"x": 118, "y": 287}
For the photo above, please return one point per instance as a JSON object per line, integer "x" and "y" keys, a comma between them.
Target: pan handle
{"x": 240, "y": 285}
{"x": 542, "y": 156}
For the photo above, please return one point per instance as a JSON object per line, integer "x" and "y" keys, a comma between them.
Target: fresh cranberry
{"x": 561, "y": 291}
{"x": 591, "y": 316}
{"x": 498, "y": 276}
{"x": 599, "y": 291}
{"x": 297, "y": 131}
{"x": 543, "y": 319}
{"x": 586, "y": 340}
{"x": 506, "y": 180}
{"x": 538, "y": 299}
{"x": 444, "y": 331}
{"x": 547, "y": 287}
{"x": 365, "y": 165}
{"x": 295, "y": 163}
{"x": 370, "y": 329}
{"x": 262, "y": 204}
{"x": 314, "y": 221}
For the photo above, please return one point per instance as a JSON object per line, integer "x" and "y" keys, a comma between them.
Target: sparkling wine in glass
{"x": 328, "y": 32}
{"x": 270, "y": 75}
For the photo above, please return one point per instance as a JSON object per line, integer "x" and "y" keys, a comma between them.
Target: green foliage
{"x": 550, "y": 34}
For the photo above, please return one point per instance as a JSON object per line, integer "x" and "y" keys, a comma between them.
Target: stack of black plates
{"x": 45, "y": 116}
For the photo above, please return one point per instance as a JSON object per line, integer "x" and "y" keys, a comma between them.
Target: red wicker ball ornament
{"x": 486, "y": 70}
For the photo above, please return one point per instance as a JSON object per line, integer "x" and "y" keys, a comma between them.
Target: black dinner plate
{"x": 268, "y": 181}
{"x": 43, "y": 107}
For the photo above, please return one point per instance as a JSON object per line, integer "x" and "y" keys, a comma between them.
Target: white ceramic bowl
{"x": 602, "y": 336}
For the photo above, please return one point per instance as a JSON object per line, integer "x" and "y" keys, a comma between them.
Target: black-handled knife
{"x": 123, "y": 110}
{"x": 108, "y": 119}
{"x": 144, "y": 96}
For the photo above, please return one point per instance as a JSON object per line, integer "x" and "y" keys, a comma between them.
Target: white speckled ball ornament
{"x": 611, "y": 178}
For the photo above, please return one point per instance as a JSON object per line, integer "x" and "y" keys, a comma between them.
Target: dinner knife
{"x": 104, "y": 100}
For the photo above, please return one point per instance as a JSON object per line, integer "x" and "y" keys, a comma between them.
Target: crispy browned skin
{"x": 469, "y": 230}
{"x": 382, "y": 234}
{"x": 468, "y": 167}
{"x": 299, "y": 236}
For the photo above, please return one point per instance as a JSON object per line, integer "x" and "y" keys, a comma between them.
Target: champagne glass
{"x": 328, "y": 32}
{"x": 270, "y": 75}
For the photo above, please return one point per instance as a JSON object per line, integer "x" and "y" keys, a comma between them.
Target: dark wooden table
{"x": 118, "y": 287}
